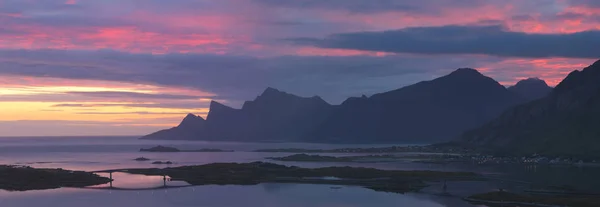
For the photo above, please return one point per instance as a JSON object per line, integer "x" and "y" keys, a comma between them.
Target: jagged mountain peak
{"x": 215, "y": 105}
{"x": 218, "y": 108}
{"x": 589, "y": 76}
{"x": 461, "y": 84}
{"x": 465, "y": 75}
{"x": 191, "y": 116}
{"x": 531, "y": 88}
{"x": 272, "y": 91}
{"x": 275, "y": 96}
{"x": 463, "y": 71}
{"x": 191, "y": 120}
{"x": 528, "y": 81}
{"x": 272, "y": 94}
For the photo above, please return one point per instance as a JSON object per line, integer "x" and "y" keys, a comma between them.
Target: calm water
{"x": 98, "y": 153}
{"x": 264, "y": 195}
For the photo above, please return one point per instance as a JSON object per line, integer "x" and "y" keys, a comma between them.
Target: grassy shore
{"x": 261, "y": 172}
{"x": 18, "y": 178}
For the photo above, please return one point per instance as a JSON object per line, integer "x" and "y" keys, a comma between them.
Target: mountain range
{"x": 429, "y": 111}
{"x": 272, "y": 116}
{"x": 564, "y": 123}
{"x": 425, "y": 112}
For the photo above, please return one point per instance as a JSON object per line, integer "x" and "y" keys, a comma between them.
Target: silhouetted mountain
{"x": 191, "y": 121}
{"x": 274, "y": 115}
{"x": 190, "y": 128}
{"x": 428, "y": 111}
{"x": 566, "y": 122}
{"x": 531, "y": 88}
{"x": 433, "y": 110}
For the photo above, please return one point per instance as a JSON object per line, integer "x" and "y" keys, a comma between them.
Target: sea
{"x": 104, "y": 153}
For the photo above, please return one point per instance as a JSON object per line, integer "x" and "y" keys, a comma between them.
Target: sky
{"x": 131, "y": 67}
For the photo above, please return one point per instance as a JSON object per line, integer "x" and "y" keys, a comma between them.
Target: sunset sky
{"x": 130, "y": 67}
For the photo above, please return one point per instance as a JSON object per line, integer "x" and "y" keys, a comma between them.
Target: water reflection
{"x": 131, "y": 181}
{"x": 105, "y": 153}
{"x": 264, "y": 195}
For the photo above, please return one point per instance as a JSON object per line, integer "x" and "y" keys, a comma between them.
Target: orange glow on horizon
{"x": 118, "y": 111}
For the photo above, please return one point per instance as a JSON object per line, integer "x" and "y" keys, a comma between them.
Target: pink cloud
{"x": 245, "y": 27}
{"x": 552, "y": 70}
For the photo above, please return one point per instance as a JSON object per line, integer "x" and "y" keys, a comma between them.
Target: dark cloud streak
{"x": 133, "y": 112}
{"x": 166, "y": 105}
{"x": 487, "y": 40}
{"x": 134, "y": 95}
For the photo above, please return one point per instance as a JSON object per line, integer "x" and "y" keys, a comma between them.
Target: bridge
{"x": 137, "y": 189}
{"x": 165, "y": 186}
{"x": 118, "y": 170}
{"x": 111, "y": 187}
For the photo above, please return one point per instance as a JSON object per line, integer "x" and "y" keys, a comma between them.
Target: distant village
{"x": 442, "y": 155}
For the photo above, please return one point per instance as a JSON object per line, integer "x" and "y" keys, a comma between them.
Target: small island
{"x": 161, "y": 148}
{"x": 261, "y": 172}
{"x": 141, "y": 159}
{"x": 162, "y": 163}
{"x": 22, "y": 178}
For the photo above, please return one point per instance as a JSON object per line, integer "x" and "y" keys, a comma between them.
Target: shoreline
{"x": 262, "y": 172}
{"x": 24, "y": 178}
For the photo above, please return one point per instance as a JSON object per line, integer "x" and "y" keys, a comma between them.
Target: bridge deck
{"x": 137, "y": 189}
